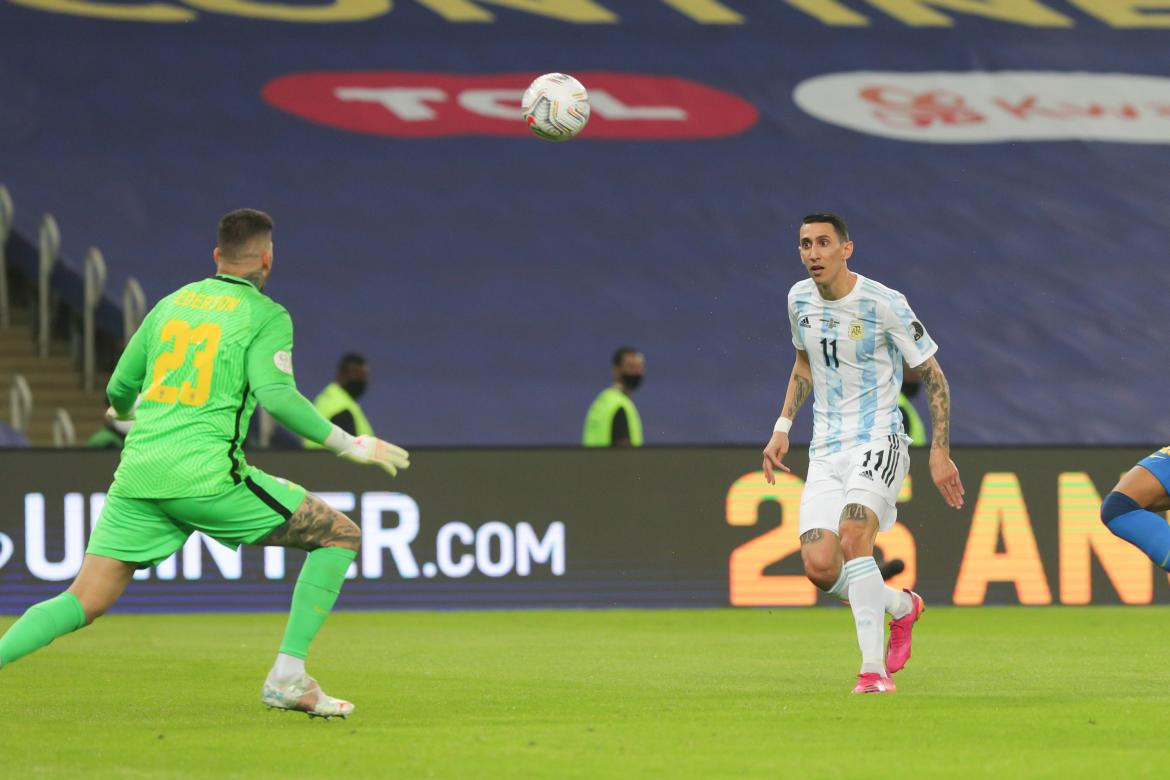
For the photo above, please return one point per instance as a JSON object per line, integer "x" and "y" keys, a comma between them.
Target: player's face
{"x": 631, "y": 370}
{"x": 633, "y": 363}
{"x": 822, "y": 253}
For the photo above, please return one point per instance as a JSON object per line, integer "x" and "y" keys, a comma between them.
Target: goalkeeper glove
{"x": 122, "y": 423}
{"x": 368, "y": 449}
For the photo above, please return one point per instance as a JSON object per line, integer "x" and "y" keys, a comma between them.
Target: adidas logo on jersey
{"x": 867, "y": 474}
{"x": 804, "y": 323}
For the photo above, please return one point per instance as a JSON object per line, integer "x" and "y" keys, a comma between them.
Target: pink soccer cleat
{"x": 898, "y": 648}
{"x": 872, "y": 682}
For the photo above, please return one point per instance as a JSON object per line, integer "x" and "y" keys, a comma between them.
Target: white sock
{"x": 840, "y": 588}
{"x": 898, "y": 603}
{"x": 867, "y": 599}
{"x": 286, "y": 668}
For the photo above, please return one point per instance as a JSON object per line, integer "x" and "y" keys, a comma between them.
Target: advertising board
{"x": 659, "y": 527}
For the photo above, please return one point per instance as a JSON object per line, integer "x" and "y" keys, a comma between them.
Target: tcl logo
{"x": 405, "y": 104}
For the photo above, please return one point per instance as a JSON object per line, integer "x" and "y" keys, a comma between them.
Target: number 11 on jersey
{"x": 830, "y": 346}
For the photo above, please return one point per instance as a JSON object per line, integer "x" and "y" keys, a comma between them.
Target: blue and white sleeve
{"x": 796, "y": 340}
{"x": 908, "y": 332}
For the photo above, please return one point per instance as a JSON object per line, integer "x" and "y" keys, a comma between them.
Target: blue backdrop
{"x": 488, "y": 278}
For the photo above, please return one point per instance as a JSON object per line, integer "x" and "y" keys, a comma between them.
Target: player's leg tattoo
{"x": 811, "y": 537}
{"x": 856, "y": 513}
{"x": 315, "y": 524}
{"x": 820, "y": 553}
{"x": 859, "y": 525}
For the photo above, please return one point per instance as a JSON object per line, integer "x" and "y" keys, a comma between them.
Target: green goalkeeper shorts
{"x": 146, "y": 531}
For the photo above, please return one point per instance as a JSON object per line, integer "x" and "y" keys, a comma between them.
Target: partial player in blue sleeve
{"x": 1129, "y": 510}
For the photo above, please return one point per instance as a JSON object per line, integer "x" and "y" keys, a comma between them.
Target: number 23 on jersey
{"x": 205, "y": 339}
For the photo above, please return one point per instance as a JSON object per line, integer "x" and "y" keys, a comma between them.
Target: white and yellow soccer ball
{"x": 556, "y": 107}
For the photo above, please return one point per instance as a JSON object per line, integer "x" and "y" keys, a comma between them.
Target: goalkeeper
{"x": 191, "y": 377}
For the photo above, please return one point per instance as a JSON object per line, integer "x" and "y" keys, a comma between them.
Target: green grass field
{"x": 1002, "y": 693}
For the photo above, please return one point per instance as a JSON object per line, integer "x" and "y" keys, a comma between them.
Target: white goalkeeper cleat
{"x": 303, "y": 694}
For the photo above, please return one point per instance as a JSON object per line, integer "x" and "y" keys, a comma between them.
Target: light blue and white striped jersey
{"x": 855, "y": 349}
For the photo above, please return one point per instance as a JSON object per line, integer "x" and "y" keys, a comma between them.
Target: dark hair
{"x": 350, "y": 359}
{"x": 239, "y": 227}
{"x": 831, "y": 218}
{"x": 621, "y": 352}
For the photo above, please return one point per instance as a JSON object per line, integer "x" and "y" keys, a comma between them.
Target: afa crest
{"x": 856, "y": 330}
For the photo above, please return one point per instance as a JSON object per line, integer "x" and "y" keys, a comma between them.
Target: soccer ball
{"x": 556, "y": 107}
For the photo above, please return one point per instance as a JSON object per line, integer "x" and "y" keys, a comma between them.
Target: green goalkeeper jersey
{"x": 197, "y": 359}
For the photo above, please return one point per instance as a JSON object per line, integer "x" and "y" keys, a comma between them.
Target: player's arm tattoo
{"x": 938, "y": 393}
{"x": 315, "y": 524}
{"x": 811, "y": 536}
{"x": 802, "y": 388}
{"x": 799, "y": 386}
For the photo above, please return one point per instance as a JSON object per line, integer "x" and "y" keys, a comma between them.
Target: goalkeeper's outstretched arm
{"x": 270, "y": 374}
{"x": 292, "y": 410}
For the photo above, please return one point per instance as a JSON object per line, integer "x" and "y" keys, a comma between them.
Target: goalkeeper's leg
{"x": 332, "y": 540}
{"x": 98, "y": 586}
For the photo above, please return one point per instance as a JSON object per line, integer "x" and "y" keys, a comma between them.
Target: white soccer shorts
{"x": 869, "y": 474}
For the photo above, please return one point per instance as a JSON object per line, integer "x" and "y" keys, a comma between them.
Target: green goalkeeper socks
{"x": 314, "y": 596}
{"x": 315, "y": 593}
{"x": 40, "y": 625}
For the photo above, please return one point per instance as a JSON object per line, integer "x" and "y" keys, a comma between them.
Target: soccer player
{"x": 1128, "y": 511}
{"x": 202, "y": 359}
{"x": 851, "y": 335}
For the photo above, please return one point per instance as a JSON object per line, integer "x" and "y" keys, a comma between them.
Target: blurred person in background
{"x": 338, "y": 402}
{"x": 612, "y": 419}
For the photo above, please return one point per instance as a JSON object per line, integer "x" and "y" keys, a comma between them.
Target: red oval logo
{"x": 416, "y": 105}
